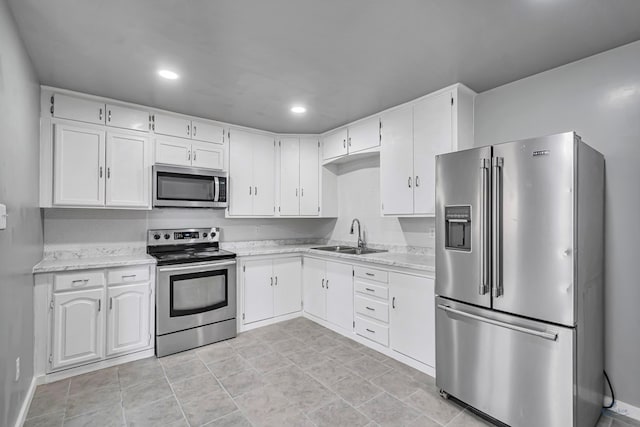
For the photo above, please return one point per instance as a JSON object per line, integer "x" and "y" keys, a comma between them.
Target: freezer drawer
{"x": 518, "y": 371}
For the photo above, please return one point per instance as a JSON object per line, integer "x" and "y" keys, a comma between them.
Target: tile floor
{"x": 295, "y": 373}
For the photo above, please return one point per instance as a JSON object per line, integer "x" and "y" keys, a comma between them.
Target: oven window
{"x": 176, "y": 186}
{"x": 197, "y": 292}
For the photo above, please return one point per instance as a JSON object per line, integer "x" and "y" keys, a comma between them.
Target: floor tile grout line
{"x": 175, "y": 397}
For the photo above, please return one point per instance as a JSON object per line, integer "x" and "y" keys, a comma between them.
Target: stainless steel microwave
{"x": 186, "y": 187}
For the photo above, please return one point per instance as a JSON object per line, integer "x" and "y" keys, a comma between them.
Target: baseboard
{"x": 624, "y": 409}
{"x": 24, "y": 409}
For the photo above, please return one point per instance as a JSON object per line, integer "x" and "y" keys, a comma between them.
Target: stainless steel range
{"x": 195, "y": 289}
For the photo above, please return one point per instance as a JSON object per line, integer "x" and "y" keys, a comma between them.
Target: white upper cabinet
{"x": 79, "y": 166}
{"x": 252, "y": 174}
{"x": 411, "y": 138}
{"x": 127, "y": 118}
{"x": 128, "y": 171}
{"x": 396, "y": 162}
{"x": 309, "y": 177}
{"x": 82, "y": 110}
{"x": 165, "y": 124}
{"x": 364, "y": 135}
{"x": 335, "y": 144}
{"x": 173, "y": 151}
{"x": 289, "y": 176}
{"x": 203, "y": 131}
{"x": 207, "y": 155}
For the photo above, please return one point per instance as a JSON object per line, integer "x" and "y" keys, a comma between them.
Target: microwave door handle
{"x": 216, "y": 188}
{"x": 197, "y": 267}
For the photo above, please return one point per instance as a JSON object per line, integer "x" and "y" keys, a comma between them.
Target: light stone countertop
{"x": 424, "y": 263}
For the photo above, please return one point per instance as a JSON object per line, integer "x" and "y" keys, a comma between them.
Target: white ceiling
{"x": 247, "y": 61}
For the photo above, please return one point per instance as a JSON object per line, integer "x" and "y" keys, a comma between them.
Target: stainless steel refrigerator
{"x": 519, "y": 280}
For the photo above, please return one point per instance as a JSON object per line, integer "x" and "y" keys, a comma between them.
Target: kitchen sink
{"x": 348, "y": 250}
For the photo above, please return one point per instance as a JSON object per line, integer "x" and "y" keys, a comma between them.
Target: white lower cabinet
{"x": 92, "y": 320}
{"x": 78, "y": 327}
{"x": 271, "y": 288}
{"x": 412, "y": 317}
{"x": 328, "y": 291}
{"x": 128, "y": 318}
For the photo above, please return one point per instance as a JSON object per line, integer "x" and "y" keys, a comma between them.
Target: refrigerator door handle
{"x": 551, "y": 336}
{"x": 497, "y": 163}
{"x": 484, "y": 227}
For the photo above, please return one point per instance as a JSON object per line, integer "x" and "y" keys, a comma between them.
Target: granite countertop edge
{"x": 56, "y": 265}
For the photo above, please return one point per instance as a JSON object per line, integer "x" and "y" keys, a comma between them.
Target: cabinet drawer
{"x": 373, "y": 331}
{"x": 376, "y": 309}
{"x": 78, "y": 280}
{"x": 368, "y": 288}
{"x": 128, "y": 274}
{"x": 371, "y": 274}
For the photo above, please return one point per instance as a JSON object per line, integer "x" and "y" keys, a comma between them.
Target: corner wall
{"x": 21, "y": 242}
{"x": 599, "y": 98}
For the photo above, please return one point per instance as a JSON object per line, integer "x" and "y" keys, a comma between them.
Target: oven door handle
{"x": 197, "y": 267}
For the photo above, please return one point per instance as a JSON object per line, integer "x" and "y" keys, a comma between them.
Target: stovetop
{"x": 186, "y": 245}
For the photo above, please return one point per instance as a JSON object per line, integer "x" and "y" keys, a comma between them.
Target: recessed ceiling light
{"x": 168, "y": 74}
{"x": 298, "y": 109}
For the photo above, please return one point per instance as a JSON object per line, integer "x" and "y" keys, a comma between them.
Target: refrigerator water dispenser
{"x": 458, "y": 228}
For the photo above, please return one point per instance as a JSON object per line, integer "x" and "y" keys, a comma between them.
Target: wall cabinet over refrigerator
{"x": 299, "y": 177}
{"x": 412, "y": 136}
{"x": 357, "y": 137}
{"x": 252, "y": 174}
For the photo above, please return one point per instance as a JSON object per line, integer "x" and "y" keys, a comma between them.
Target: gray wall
{"x": 21, "y": 242}
{"x": 599, "y": 97}
{"x": 94, "y": 226}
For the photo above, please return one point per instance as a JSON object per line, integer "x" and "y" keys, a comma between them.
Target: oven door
{"x": 188, "y": 187}
{"x": 192, "y": 295}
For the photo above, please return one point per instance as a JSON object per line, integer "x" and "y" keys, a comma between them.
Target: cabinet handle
{"x": 327, "y": 284}
{"x": 82, "y": 281}
{"x": 108, "y": 172}
{"x": 255, "y": 192}
{"x": 369, "y": 308}
{"x": 100, "y": 172}
{"x": 100, "y": 115}
{"x": 322, "y": 283}
{"x": 344, "y": 143}
{"x": 393, "y": 302}
{"x": 194, "y": 152}
{"x": 417, "y": 181}
{"x": 133, "y": 276}
{"x": 188, "y": 129}
{"x": 276, "y": 280}
{"x": 272, "y": 281}
{"x": 409, "y": 182}
{"x": 109, "y": 116}
{"x": 369, "y": 289}
{"x": 249, "y": 190}
{"x": 369, "y": 330}
{"x": 111, "y": 303}
{"x": 195, "y": 129}
{"x": 188, "y": 154}
{"x": 349, "y": 141}
{"x": 99, "y": 305}
{"x": 302, "y": 192}
{"x": 369, "y": 274}
{"x": 296, "y": 192}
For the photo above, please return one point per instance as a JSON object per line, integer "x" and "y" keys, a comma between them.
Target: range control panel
{"x": 183, "y": 236}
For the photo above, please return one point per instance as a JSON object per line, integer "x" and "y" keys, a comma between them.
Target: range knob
{"x": 204, "y": 235}
{"x": 213, "y": 234}
{"x": 156, "y": 236}
{"x": 167, "y": 236}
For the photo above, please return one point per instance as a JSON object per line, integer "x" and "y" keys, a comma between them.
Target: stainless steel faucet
{"x": 360, "y": 241}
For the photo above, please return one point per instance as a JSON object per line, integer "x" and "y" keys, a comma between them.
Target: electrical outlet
{"x": 17, "y": 368}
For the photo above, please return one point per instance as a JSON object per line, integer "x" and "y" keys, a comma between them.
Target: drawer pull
{"x": 129, "y": 276}
{"x": 369, "y": 330}
{"x": 80, "y": 281}
{"x": 369, "y": 274}
{"x": 369, "y": 289}
{"x": 369, "y": 308}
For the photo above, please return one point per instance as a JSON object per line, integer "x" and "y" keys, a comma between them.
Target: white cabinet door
{"x": 339, "y": 286}
{"x": 412, "y": 318}
{"x": 258, "y": 290}
{"x": 128, "y": 318}
{"x": 84, "y": 110}
{"x": 309, "y": 176}
{"x": 264, "y": 175}
{"x": 78, "y": 325}
{"x": 289, "y": 176}
{"x": 173, "y": 151}
{"x": 172, "y": 125}
{"x": 207, "y": 155}
{"x": 78, "y": 169}
{"x": 363, "y": 135}
{"x": 207, "y": 132}
{"x": 128, "y": 173}
{"x": 240, "y": 173}
{"x": 432, "y": 135}
{"x": 287, "y": 286}
{"x": 315, "y": 296}
{"x": 334, "y": 144}
{"x": 127, "y": 118}
{"x": 396, "y": 162}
